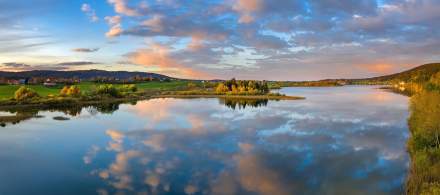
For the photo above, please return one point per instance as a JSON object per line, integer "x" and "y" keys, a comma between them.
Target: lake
{"x": 340, "y": 140}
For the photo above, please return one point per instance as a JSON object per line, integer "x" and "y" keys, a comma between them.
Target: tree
{"x": 435, "y": 80}
{"x": 243, "y": 87}
{"x": 24, "y": 93}
{"x": 221, "y": 88}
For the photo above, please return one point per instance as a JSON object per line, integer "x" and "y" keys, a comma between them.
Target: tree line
{"x": 242, "y": 87}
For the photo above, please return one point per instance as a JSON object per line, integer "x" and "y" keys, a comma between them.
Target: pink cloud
{"x": 121, "y": 7}
{"x": 159, "y": 55}
{"x": 115, "y": 26}
{"x": 246, "y": 8}
{"x": 155, "y": 23}
{"x": 381, "y": 68}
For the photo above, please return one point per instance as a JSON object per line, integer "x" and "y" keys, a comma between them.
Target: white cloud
{"x": 91, "y": 13}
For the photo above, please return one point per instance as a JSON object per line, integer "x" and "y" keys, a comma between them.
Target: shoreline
{"x": 73, "y": 102}
{"x": 254, "y": 97}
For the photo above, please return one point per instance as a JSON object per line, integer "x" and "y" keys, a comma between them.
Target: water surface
{"x": 344, "y": 140}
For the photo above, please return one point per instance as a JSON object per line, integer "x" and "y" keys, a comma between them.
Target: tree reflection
{"x": 19, "y": 114}
{"x": 243, "y": 103}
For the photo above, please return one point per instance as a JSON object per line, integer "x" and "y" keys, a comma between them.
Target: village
{"x": 53, "y": 81}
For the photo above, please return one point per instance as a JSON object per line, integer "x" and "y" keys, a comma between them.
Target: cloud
{"x": 282, "y": 37}
{"x": 156, "y": 142}
{"x": 191, "y": 189}
{"x": 88, "y": 157}
{"x": 246, "y": 8}
{"x": 91, "y": 13}
{"x": 344, "y": 6}
{"x": 77, "y": 63}
{"x": 121, "y": 7}
{"x": 159, "y": 55}
{"x": 115, "y": 26}
{"x": 16, "y": 65}
{"x": 381, "y": 68}
{"x": 155, "y": 23}
{"x": 85, "y": 50}
{"x": 20, "y": 47}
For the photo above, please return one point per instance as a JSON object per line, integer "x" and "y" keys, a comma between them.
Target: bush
{"x": 108, "y": 90}
{"x": 24, "y": 93}
{"x": 191, "y": 85}
{"x": 70, "y": 91}
{"x": 129, "y": 88}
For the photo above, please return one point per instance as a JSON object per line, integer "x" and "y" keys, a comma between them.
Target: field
{"x": 7, "y": 91}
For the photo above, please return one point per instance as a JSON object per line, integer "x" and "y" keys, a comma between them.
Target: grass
{"x": 424, "y": 144}
{"x": 177, "y": 89}
{"x": 7, "y": 91}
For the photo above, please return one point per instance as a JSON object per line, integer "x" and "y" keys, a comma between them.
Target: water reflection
{"x": 242, "y": 103}
{"x": 12, "y": 116}
{"x": 322, "y": 145}
{"x": 17, "y": 117}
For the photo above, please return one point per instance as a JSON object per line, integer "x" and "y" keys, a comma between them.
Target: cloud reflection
{"x": 317, "y": 146}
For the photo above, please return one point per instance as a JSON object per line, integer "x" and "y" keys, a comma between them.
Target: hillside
{"x": 82, "y": 74}
{"x": 419, "y": 74}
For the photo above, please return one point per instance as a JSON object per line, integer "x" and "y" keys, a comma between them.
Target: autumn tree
{"x": 24, "y": 93}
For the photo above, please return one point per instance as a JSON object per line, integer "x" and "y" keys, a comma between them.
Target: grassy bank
{"x": 87, "y": 93}
{"x": 267, "y": 97}
{"x": 7, "y": 91}
{"x": 424, "y": 144}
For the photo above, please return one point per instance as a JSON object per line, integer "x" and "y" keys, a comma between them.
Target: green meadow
{"x": 7, "y": 91}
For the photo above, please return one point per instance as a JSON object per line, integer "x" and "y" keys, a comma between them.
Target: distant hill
{"x": 419, "y": 74}
{"x": 82, "y": 74}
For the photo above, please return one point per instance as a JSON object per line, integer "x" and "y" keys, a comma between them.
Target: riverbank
{"x": 81, "y": 101}
{"x": 67, "y": 102}
{"x": 255, "y": 97}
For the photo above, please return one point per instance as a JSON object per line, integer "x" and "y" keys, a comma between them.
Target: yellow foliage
{"x": 221, "y": 88}
{"x": 70, "y": 91}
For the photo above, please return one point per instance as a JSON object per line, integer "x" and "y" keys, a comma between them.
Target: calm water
{"x": 347, "y": 140}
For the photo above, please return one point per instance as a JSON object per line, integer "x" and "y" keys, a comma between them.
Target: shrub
{"x": 70, "y": 91}
{"x": 24, "y": 93}
{"x": 129, "y": 88}
{"x": 191, "y": 85}
{"x": 108, "y": 90}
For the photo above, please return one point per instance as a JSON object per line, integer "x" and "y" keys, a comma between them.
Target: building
{"x": 13, "y": 82}
{"x": 49, "y": 83}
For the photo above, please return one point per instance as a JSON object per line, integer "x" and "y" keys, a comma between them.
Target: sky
{"x": 215, "y": 39}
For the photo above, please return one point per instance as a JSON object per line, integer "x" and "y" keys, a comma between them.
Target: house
{"x": 342, "y": 83}
{"x": 23, "y": 81}
{"x": 13, "y": 82}
{"x": 49, "y": 83}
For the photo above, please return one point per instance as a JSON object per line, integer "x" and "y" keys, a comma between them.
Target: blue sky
{"x": 246, "y": 39}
